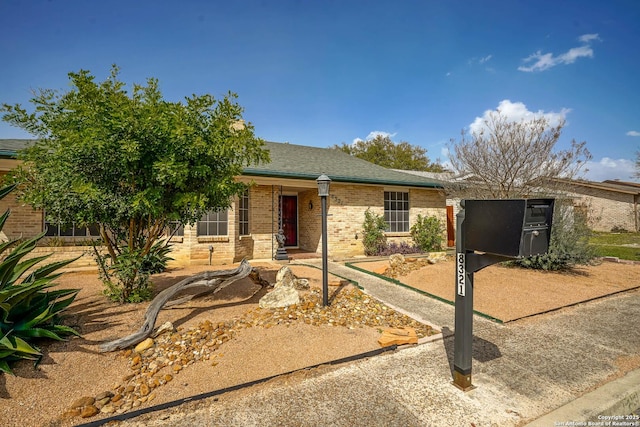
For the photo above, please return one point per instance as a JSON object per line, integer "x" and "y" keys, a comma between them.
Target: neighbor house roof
{"x": 302, "y": 162}
{"x": 623, "y": 187}
{"x": 10, "y": 147}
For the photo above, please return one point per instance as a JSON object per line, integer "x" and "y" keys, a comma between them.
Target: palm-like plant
{"x": 28, "y": 309}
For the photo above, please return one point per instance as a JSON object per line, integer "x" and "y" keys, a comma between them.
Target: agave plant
{"x": 28, "y": 308}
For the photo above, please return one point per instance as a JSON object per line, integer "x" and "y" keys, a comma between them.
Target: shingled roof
{"x": 303, "y": 162}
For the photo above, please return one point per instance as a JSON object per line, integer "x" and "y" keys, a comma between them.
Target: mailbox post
{"x": 491, "y": 231}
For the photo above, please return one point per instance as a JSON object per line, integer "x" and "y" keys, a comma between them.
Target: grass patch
{"x": 622, "y": 252}
{"x": 600, "y": 238}
{"x": 611, "y": 244}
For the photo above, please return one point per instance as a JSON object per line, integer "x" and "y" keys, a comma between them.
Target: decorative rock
{"x": 398, "y": 336}
{"x": 104, "y": 394}
{"x": 107, "y": 409}
{"x": 83, "y": 401}
{"x": 165, "y": 327}
{"x": 144, "y": 390}
{"x": 89, "y": 411}
{"x": 285, "y": 277}
{"x": 396, "y": 260}
{"x": 338, "y": 282}
{"x": 101, "y": 402}
{"x": 284, "y": 293}
{"x": 301, "y": 284}
{"x": 282, "y": 296}
{"x": 71, "y": 413}
{"x": 148, "y": 343}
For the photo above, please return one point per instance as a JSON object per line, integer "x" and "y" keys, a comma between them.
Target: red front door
{"x": 290, "y": 220}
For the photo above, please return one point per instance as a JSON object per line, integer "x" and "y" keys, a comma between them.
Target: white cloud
{"x": 608, "y": 168}
{"x": 375, "y": 133}
{"x": 633, "y": 133}
{"x": 517, "y": 111}
{"x": 543, "y": 61}
{"x": 586, "y": 38}
{"x": 485, "y": 59}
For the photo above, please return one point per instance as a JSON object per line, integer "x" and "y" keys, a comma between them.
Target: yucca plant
{"x": 28, "y": 309}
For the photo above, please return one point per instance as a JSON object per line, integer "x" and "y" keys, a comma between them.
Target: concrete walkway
{"x": 561, "y": 367}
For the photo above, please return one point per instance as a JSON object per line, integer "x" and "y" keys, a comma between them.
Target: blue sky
{"x": 325, "y": 72}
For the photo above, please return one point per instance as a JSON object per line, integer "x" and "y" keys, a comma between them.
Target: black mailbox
{"x": 511, "y": 227}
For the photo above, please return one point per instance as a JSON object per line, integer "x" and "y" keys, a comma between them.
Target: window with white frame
{"x": 243, "y": 213}
{"x": 396, "y": 211}
{"x": 214, "y": 224}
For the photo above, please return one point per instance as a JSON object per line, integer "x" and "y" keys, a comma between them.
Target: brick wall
{"x": 346, "y": 205}
{"x": 608, "y": 211}
{"x": 24, "y": 221}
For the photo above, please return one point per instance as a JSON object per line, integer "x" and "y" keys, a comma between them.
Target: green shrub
{"x": 569, "y": 245}
{"x": 28, "y": 309}
{"x": 133, "y": 269}
{"x": 427, "y": 233}
{"x": 374, "y": 239}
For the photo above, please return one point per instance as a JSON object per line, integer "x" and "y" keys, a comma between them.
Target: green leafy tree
{"x": 382, "y": 151}
{"x": 29, "y": 310}
{"x": 131, "y": 163}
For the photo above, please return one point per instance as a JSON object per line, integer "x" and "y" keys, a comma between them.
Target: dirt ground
{"x": 509, "y": 293}
{"x": 74, "y": 369}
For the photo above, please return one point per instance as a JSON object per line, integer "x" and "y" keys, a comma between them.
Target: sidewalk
{"x": 523, "y": 371}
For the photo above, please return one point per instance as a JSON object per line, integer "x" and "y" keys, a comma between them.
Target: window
{"x": 56, "y": 229}
{"x": 243, "y": 212}
{"x": 213, "y": 224}
{"x": 396, "y": 211}
{"x": 175, "y": 229}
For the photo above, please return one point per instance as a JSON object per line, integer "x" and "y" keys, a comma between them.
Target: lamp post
{"x": 323, "y": 191}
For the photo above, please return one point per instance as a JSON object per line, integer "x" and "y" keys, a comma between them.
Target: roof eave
{"x": 281, "y": 174}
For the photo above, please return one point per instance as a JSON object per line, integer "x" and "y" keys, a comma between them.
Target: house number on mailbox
{"x": 460, "y": 272}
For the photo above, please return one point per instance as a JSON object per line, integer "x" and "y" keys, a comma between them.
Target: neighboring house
{"x": 283, "y": 195}
{"x": 610, "y": 205}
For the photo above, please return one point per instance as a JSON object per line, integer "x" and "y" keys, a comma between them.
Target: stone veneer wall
{"x": 346, "y": 205}
{"x": 24, "y": 221}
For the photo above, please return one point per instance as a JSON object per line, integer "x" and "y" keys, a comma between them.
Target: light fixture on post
{"x": 323, "y": 191}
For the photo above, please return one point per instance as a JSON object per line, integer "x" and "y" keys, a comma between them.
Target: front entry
{"x": 290, "y": 220}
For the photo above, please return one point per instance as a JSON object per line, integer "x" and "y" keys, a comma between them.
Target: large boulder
{"x": 282, "y": 296}
{"x": 284, "y": 291}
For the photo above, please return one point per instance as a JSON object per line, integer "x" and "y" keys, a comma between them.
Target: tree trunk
{"x": 216, "y": 280}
